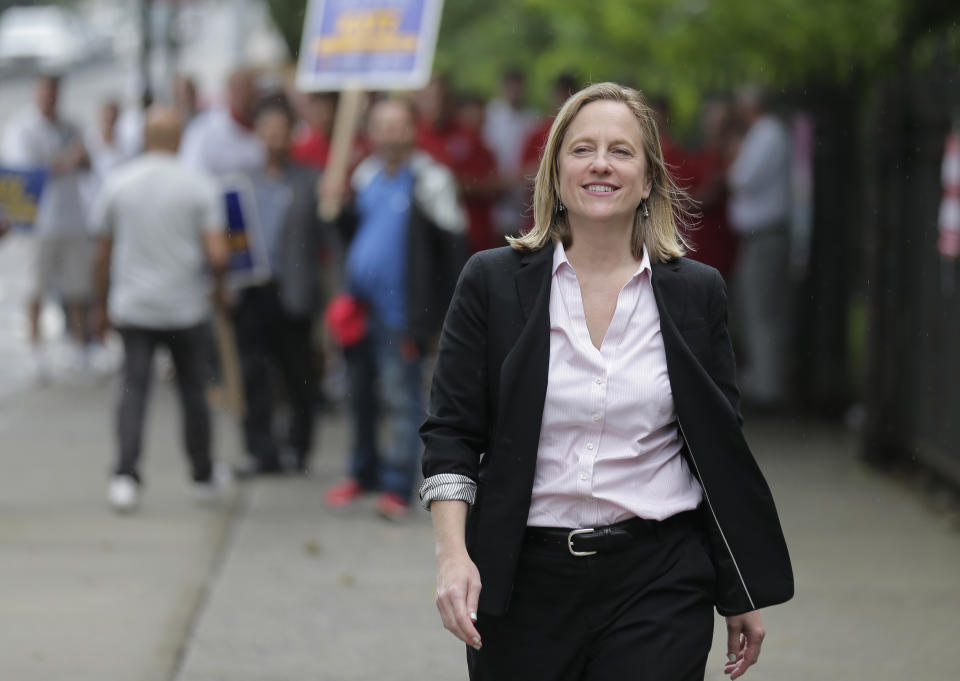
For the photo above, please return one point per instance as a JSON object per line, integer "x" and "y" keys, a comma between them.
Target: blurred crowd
{"x": 131, "y": 235}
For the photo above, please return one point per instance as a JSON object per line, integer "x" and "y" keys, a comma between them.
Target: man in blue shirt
{"x": 406, "y": 231}
{"x": 374, "y": 272}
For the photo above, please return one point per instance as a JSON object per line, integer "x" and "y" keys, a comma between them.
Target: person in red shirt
{"x": 715, "y": 242}
{"x": 476, "y": 169}
{"x": 435, "y": 118}
{"x": 454, "y": 136}
{"x": 564, "y": 86}
{"x": 311, "y": 139}
{"x": 675, "y": 156}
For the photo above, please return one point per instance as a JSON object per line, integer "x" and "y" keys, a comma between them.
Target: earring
{"x": 560, "y": 206}
{"x": 643, "y": 208}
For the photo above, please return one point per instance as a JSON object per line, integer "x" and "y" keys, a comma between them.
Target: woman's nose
{"x": 601, "y": 163}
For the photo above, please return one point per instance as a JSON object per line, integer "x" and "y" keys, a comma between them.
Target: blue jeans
{"x": 385, "y": 389}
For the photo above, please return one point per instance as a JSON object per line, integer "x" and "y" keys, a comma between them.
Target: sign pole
{"x": 334, "y": 178}
{"x": 233, "y": 396}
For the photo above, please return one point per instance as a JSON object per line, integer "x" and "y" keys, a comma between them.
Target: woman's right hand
{"x": 458, "y": 591}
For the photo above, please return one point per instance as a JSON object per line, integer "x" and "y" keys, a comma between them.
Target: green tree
{"x": 288, "y": 15}
{"x": 675, "y": 47}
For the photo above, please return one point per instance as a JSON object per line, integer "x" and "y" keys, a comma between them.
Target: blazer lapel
{"x": 670, "y": 291}
{"x": 523, "y": 374}
{"x": 531, "y": 280}
{"x": 525, "y": 366}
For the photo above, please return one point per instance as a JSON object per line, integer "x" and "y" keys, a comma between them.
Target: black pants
{"x": 266, "y": 337}
{"x": 641, "y": 614}
{"x": 186, "y": 348}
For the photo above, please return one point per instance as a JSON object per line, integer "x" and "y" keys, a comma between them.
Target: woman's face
{"x": 602, "y": 165}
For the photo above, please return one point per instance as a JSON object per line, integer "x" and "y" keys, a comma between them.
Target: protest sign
{"x": 20, "y": 192}
{"x": 356, "y": 45}
{"x": 249, "y": 263}
{"x": 368, "y": 44}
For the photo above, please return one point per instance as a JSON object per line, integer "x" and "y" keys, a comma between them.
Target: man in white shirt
{"x": 130, "y": 124}
{"x": 222, "y": 141}
{"x": 506, "y": 127}
{"x": 759, "y": 207}
{"x": 103, "y": 144}
{"x": 161, "y": 236}
{"x": 39, "y": 138}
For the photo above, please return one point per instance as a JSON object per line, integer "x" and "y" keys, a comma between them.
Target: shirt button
{"x": 596, "y": 416}
{"x": 584, "y": 476}
{"x": 590, "y": 446}
{"x": 599, "y": 381}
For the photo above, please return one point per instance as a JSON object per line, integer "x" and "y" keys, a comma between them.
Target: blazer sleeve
{"x": 455, "y": 431}
{"x": 723, "y": 364}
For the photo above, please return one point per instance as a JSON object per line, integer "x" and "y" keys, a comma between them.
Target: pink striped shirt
{"x": 609, "y": 443}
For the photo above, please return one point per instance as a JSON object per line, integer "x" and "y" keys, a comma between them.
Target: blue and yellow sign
{"x": 241, "y": 256}
{"x": 248, "y": 264}
{"x": 20, "y": 192}
{"x": 368, "y": 44}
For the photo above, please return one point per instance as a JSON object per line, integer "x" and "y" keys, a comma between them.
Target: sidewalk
{"x": 84, "y": 594}
{"x": 274, "y": 587}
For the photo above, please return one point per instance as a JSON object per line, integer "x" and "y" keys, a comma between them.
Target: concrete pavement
{"x": 84, "y": 594}
{"x": 273, "y": 586}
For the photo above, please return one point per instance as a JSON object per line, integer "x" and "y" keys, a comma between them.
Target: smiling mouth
{"x": 600, "y": 188}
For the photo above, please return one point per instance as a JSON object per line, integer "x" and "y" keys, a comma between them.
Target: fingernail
{"x": 476, "y": 640}
{"x": 473, "y": 616}
{"x": 476, "y": 647}
{"x": 732, "y": 657}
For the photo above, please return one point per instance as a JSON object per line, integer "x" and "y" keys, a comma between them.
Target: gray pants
{"x": 187, "y": 351}
{"x": 764, "y": 303}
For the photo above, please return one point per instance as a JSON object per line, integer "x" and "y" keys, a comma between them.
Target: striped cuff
{"x": 447, "y": 487}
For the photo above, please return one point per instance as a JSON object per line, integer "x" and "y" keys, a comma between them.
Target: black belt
{"x": 616, "y": 537}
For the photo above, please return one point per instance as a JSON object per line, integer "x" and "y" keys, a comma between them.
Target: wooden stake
{"x": 229, "y": 363}
{"x": 335, "y": 175}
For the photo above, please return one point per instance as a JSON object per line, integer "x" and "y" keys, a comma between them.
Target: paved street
{"x": 271, "y": 585}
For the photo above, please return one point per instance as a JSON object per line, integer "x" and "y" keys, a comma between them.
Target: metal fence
{"x": 913, "y": 338}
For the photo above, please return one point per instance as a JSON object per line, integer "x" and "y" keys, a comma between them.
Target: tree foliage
{"x": 668, "y": 45}
{"x": 675, "y": 47}
{"x": 288, "y": 16}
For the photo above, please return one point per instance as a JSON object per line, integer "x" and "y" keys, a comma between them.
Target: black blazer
{"x": 486, "y": 406}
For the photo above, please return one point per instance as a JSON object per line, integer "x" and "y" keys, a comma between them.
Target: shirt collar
{"x": 560, "y": 258}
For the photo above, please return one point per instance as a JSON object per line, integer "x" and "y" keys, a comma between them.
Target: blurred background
{"x": 860, "y": 438}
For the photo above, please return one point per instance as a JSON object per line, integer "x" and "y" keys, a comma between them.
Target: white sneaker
{"x": 215, "y": 490}
{"x": 123, "y": 494}
{"x": 71, "y": 362}
{"x": 40, "y": 365}
{"x": 101, "y": 360}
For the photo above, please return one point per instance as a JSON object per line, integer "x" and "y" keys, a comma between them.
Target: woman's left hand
{"x": 744, "y": 637}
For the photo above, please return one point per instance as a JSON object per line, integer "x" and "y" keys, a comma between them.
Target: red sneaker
{"x": 392, "y": 506}
{"x": 343, "y": 493}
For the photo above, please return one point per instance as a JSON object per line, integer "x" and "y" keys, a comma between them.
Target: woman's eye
{"x": 622, "y": 152}
{"x": 580, "y": 150}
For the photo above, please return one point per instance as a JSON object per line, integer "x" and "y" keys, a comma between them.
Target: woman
{"x": 584, "y": 408}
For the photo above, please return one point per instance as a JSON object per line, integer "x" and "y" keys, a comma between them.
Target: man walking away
{"x": 161, "y": 235}
{"x": 40, "y": 138}
{"x": 273, "y": 320}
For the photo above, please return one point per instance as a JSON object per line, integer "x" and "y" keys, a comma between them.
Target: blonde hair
{"x": 667, "y": 203}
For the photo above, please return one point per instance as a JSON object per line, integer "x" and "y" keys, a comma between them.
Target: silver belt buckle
{"x": 570, "y": 537}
